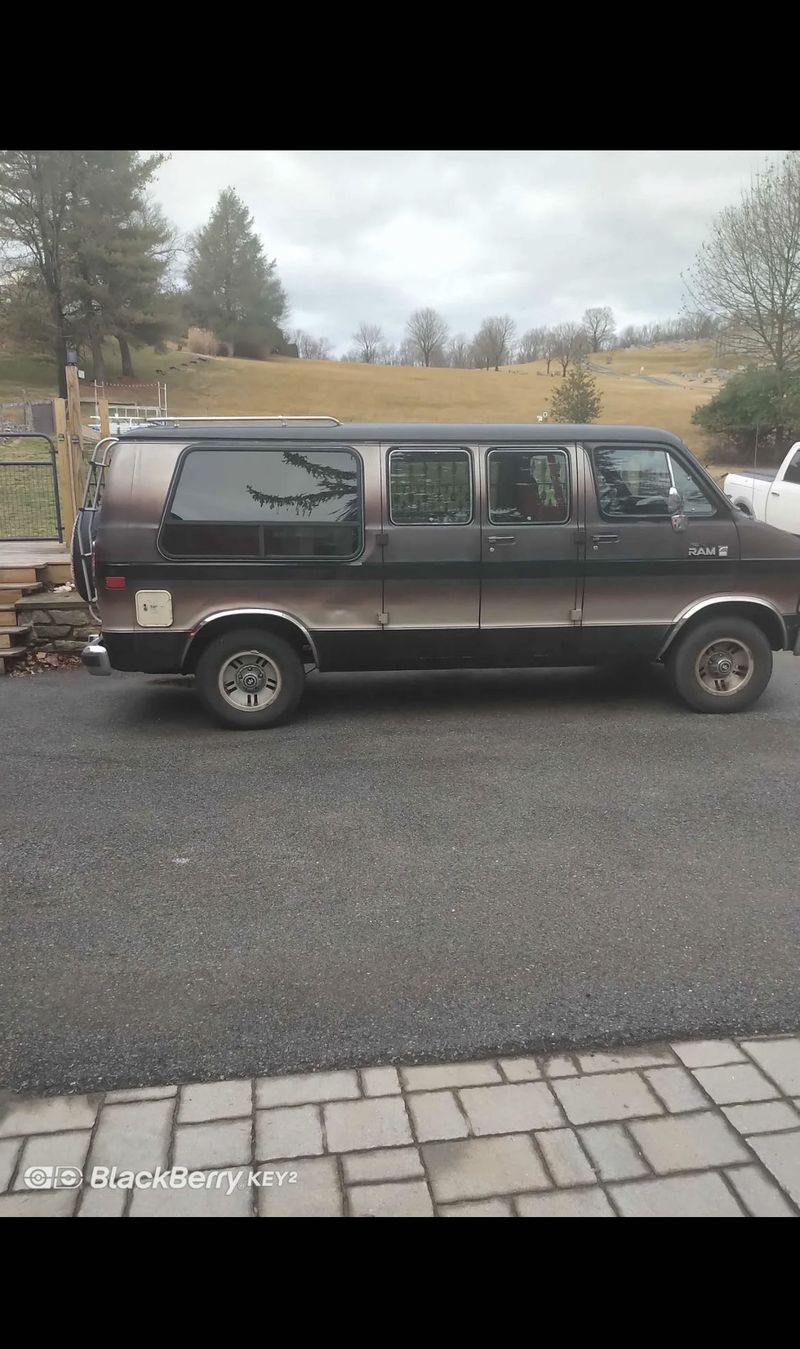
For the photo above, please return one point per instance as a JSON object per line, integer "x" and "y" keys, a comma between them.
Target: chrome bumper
{"x": 95, "y": 657}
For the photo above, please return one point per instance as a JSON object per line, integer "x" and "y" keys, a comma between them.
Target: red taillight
{"x": 115, "y": 583}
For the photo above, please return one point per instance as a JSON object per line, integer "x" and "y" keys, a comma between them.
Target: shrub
{"x": 203, "y": 343}
{"x": 758, "y": 408}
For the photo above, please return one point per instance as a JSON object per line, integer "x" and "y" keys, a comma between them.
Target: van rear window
{"x": 271, "y": 503}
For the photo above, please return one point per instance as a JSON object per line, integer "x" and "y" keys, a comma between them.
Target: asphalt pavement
{"x": 419, "y": 867}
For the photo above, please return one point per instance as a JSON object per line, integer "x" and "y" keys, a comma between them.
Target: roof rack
{"x": 284, "y": 421}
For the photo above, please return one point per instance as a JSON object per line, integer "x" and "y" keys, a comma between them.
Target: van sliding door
{"x": 431, "y": 554}
{"x": 532, "y": 564}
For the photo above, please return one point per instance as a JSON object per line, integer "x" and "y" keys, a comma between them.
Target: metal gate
{"x": 29, "y": 504}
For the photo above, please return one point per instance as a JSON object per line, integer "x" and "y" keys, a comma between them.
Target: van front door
{"x": 641, "y": 571}
{"x": 431, "y": 556}
{"x": 530, "y": 568}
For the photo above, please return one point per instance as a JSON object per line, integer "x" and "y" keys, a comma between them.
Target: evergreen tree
{"x": 232, "y": 287}
{"x": 757, "y": 410}
{"x": 36, "y": 200}
{"x": 122, "y": 250}
{"x": 576, "y": 399}
{"x": 86, "y": 251}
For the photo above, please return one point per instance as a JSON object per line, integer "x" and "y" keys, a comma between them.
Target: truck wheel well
{"x": 759, "y": 614}
{"x": 744, "y": 507}
{"x": 282, "y": 627}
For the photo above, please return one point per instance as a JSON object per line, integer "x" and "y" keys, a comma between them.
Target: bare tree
{"x": 598, "y": 324}
{"x": 549, "y": 344}
{"x": 428, "y": 331}
{"x": 368, "y": 338}
{"x": 407, "y": 353}
{"x": 748, "y": 274}
{"x": 494, "y": 342}
{"x": 387, "y": 354}
{"x": 531, "y": 345}
{"x": 312, "y": 348}
{"x": 570, "y": 341}
{"x": 459, "y": 352}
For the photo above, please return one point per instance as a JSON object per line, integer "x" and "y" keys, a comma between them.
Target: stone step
{"x": 8, "y": 615}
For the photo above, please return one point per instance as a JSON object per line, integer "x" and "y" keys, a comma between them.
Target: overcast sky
{"x": 537, "y": 234}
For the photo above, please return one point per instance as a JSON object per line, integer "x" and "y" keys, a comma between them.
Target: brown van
{"x": 246, "y": 550}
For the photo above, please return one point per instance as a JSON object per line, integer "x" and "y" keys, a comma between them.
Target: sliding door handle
{"x": 501, "y": 538}
{"x": 605, "y": 538}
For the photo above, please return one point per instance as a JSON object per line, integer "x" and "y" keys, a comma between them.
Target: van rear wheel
{"x": 721, "y": 665}
{"x": 250, "y": 678}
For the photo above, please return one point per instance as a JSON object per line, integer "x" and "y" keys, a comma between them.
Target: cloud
{"x": 536, "y": 234}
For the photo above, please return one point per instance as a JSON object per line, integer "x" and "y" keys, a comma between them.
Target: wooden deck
{"x": 32, "y": 554}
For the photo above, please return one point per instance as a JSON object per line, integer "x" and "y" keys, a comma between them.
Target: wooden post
{"x": 66, "y": 482}
{"x": 102, "y": 409}
{"x": 75, "y": 430}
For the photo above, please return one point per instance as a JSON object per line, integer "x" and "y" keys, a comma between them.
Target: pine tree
{"x": 577, "y": 399}
{"x": 36, "y": 199}
{"x": 122, "y": 250}
{"x": 87, "y": 252}
{"x": 232, "y": 287}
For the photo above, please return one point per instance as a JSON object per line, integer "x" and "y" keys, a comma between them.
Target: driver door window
{"x": 635, "y": 483}
{"x": 632, "y": 482}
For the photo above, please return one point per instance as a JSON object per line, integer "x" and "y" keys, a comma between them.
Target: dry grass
{"x": 386, "y": 393}
{"x": 398, "y": 393}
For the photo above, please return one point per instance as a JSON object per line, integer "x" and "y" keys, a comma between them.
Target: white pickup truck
{"x": 769, "y": 496}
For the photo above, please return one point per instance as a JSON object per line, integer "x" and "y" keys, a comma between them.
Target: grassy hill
{"x": 656, "y": 386}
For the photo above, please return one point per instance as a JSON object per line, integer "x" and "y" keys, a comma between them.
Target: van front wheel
{"x": 250, "y": 678}
{"x": 722, "y": 665}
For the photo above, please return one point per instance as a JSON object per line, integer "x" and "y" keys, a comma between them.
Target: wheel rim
{"x": 249, "y": 681}
{"x": 724, "y": 667}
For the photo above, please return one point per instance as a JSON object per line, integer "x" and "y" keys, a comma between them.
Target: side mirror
{"x": 675, "y": 508}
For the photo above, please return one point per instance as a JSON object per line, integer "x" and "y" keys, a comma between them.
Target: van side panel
{"x": 628, "y": 593}
{"x": 336, "y": 596}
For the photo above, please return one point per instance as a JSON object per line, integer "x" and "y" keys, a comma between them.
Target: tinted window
{"x": 528, "y": 487}
{"x": 265, "y": 503}
{"x": 792, "y": 473}
{"x": 430, "y": 487}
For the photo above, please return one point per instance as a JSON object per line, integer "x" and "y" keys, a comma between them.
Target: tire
{"x": 261, "y": 689}
{"x": 697, "y": 666}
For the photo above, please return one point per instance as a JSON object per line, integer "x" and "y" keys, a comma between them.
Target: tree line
{"x": 429, "y": 342}
{"x": 87, "y": 257}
